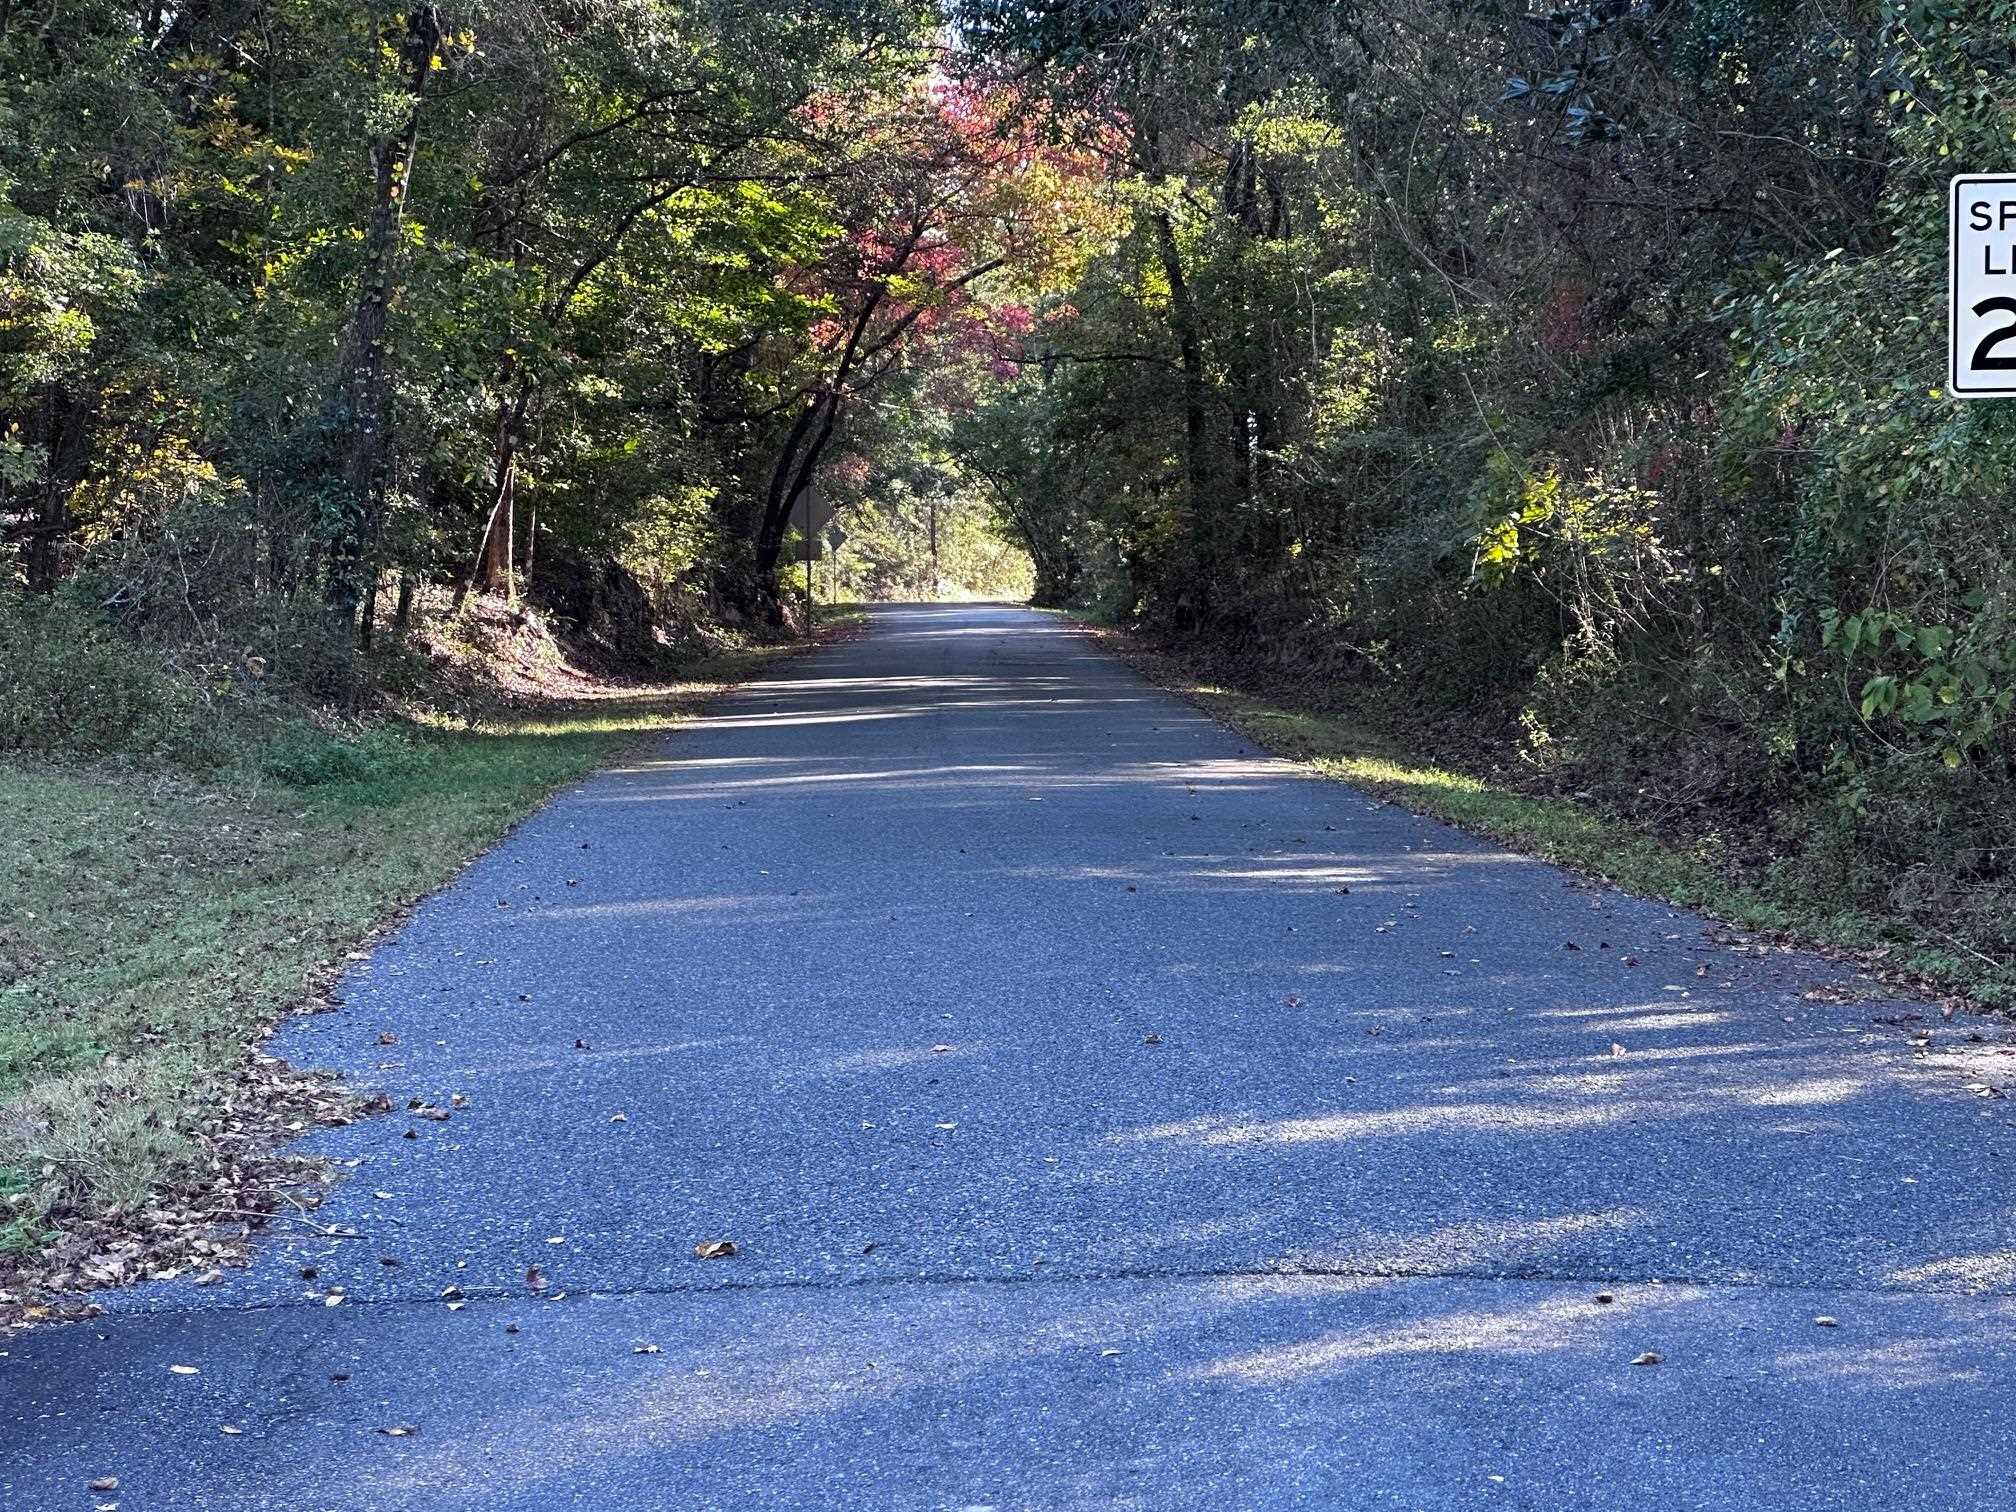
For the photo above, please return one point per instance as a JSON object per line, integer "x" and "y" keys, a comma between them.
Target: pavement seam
{"x": 1079, "y": 1278}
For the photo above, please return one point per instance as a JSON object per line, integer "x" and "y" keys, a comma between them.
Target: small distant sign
{"x": 1982, "y": 322}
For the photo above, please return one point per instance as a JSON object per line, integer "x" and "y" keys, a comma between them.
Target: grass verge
{"x": 159, "y": 923}
{"x": 1571, "y": 833}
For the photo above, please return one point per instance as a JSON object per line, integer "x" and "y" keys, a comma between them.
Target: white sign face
{"x": 1982, "y": 324}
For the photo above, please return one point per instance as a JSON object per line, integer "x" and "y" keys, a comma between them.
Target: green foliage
{"x": 1606, "y": 419}
{"x": 587, "y": 282}
{"x": 67, "y": 686}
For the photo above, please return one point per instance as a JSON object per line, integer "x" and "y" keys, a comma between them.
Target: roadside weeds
{"x": 1569, "y": 833}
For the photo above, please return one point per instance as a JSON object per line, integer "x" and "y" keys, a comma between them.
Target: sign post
{"x": 1981, "y": 319}
{"x": 810, "y": 514}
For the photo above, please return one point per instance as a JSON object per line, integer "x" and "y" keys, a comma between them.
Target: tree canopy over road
{"x": 1577, "y": 371}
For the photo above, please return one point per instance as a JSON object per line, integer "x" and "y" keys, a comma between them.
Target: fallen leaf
{"x": 940, "y": 1049}
{"x": 104, "y": 1483}
{"x": 1649, "y": 1358}
{"x": 1823, "y": 1321}
{"x": 1605, "y": 1298}
{"x": 228, "y": 1428}
{"x": 1107, "y": 1354}
{"x": 1151, "y": 1039}
{"x": 183, "y": 1370}
{"x": 948, "y": 1126}
{"x": 645, "y": 1349}
{"x": 1570, "y": 945}
{"x": 1292, "y": 1001}
{"x": 715, "y": 1249}
{"x": 535, "y": 1278}
{"x": 388, "y": 1038}
{"x": 1630, "y": 960}
{"x": 619, "y": 1118}
{"x": 1615, "y": 1048}
{"x": 399, "y": 1430}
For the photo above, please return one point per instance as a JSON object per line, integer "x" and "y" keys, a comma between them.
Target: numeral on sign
{"x": 2001, "y": 304}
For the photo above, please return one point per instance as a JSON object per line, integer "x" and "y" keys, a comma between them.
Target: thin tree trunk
{"x": 364, "y": 395}
{"x": 1196, "y": 439}
{"x": 487, "y": 570}
{"x": 495, "y": 574}
{"x": 67, "y": 433}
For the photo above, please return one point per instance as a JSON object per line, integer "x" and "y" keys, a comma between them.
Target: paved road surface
{"x": 1108, "y": 1117}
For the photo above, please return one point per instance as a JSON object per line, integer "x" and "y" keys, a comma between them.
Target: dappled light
{"x": 1007, "y": 756}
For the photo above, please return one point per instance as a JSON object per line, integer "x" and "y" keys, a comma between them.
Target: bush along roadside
{"x": 165, "y": 915}
{"x": 1342, "y": 737}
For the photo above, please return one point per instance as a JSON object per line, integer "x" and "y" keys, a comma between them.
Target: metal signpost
{"x": 1981, "y": 320}
{"x": 810, "y": 514}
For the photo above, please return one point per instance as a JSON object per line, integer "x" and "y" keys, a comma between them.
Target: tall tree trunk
{"x": 363, "y": 391}
{"x": 494, "y": 575}
{"x": 66, "y": 431}
{"x": 1196, "y": 437}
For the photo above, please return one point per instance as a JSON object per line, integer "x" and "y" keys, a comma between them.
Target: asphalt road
{"x": 1107, "y": 1116}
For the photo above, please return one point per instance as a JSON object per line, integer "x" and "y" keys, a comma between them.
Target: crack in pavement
{"x": 1534, "y": 1277}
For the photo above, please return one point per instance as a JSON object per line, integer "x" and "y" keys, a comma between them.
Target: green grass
{"x": 157, "y": 924}
{"x": 1568, "y": 832}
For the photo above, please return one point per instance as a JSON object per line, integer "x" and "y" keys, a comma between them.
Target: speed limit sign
{"x": 1981, "y": 324}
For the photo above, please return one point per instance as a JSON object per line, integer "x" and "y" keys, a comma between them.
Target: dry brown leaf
{"x": 536, "y": 1278}
{"x": 1650, "y": 1358}
{"x": 715, "y": 1249}
{"x": 104, "y": 1483}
